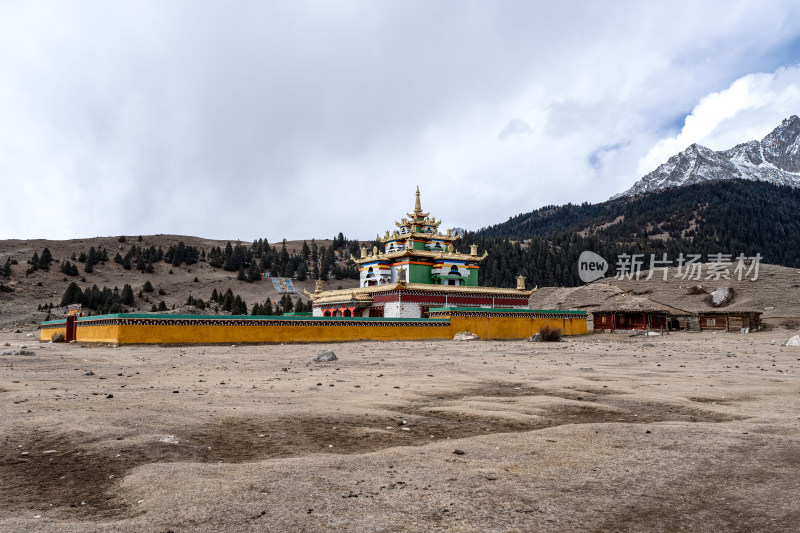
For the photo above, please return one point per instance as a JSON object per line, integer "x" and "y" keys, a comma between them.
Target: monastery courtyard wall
{"x": 205, "y": 329}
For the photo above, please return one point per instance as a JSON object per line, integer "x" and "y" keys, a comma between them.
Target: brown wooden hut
{"x": 732, "y": 321}
{"x": 656, "y": 318}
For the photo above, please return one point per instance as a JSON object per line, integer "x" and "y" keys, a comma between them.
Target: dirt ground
{"x": 699, "y": 432}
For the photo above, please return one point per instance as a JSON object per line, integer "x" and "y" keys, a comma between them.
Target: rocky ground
{"x": 697, "y": 432}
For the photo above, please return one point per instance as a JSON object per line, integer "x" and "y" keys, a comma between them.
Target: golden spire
{"x": 417, "y": 206}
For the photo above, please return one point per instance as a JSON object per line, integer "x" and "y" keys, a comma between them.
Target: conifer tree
{"x": 73, "y": 295}
{"x": 45, "y": 259}
{"x": 127, "y": 295}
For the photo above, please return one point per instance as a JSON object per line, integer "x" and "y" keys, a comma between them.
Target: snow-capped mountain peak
{"x": 776, "y": 159}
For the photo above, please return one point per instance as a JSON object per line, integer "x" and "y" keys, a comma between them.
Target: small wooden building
{"x": 732, "y": 321}
{"x": 611, "y": 320}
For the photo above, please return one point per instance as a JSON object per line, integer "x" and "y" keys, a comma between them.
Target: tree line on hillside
{"x": 103, "y": 300}
{"x": 729, "y": 217}
{"x": 110, "y": 301}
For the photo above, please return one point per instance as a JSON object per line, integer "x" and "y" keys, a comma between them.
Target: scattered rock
{"x": 459, "y": 452}
{"x": 535, "y": 338}
{"x": 169, "y": 439}
{"x": 29, "y": 335}
{"x": 721, "y": 297}
{"x": 648, "y": 345}
{"x": 46, "y": 452}
{"x": 88, "y": 373}
{"x": 327, "y": 355}
{"x": 465, "y": 336}
{"x": 792, "y": 341}
{"x": 17, "y": 352}
{"x": 697, "y": 289}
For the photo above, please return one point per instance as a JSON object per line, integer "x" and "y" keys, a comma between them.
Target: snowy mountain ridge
{"x": 775, "y": 159}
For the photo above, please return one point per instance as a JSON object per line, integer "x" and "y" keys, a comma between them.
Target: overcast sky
{"x": 239, "y": 120}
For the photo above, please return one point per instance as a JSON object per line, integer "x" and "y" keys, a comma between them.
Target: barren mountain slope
{"x": 19, "y": 308}
{"x": 775, "y": 292}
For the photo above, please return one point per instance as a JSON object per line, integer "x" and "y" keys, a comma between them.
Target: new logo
{"x": 591, "y": 267}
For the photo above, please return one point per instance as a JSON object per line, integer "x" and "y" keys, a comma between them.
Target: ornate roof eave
{"x": 429, "y": 236}
{"x": 421, "y": 253}
{"x": 343, "y": 294}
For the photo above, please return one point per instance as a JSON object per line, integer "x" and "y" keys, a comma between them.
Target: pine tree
{"x": 127, "y": 295}
{"x": 302, "y": 271}
{"x": 45, "y": 259}
{"x": 287, "y": 303}
{"x": 227, "y": 301}
{"x": 239, "y": 307}
{"x": 253, "y": 274}
{"x": 73, "y": 295}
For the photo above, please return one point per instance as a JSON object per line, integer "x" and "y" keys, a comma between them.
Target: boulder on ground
{"x": 535, "y": 338}
{"x": 465, "y": 336}
{"x": 792, "y": 341}
{"x": 327, "y": 355}
{"x": 720, "y": 297}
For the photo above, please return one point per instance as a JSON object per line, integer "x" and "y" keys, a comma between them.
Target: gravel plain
{"x": 700, "y": 432}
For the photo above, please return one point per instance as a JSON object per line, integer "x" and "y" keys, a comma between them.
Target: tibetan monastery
{"x": 418, "y": 269}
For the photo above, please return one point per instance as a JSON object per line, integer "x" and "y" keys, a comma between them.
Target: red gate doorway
{"x": 72, "y": 328}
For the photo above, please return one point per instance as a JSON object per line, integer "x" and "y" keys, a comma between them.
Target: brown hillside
{"x": 776, "y": 293}
{"x": 19, "y": 308}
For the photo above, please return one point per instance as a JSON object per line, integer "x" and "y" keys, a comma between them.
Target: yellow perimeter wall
{"x": 164, "y": 329}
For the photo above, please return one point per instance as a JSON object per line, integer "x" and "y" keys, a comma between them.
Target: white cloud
{"x": 298, "y": 120}
{"x": 749, "y": 109}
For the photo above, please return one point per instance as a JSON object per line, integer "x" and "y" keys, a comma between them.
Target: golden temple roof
{"x": 417, "y": 235}
{"x": 422, "y": 253}
{"x": 365, "y": 293}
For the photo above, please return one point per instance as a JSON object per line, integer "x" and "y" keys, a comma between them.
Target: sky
{"x": 257, "y": 119}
